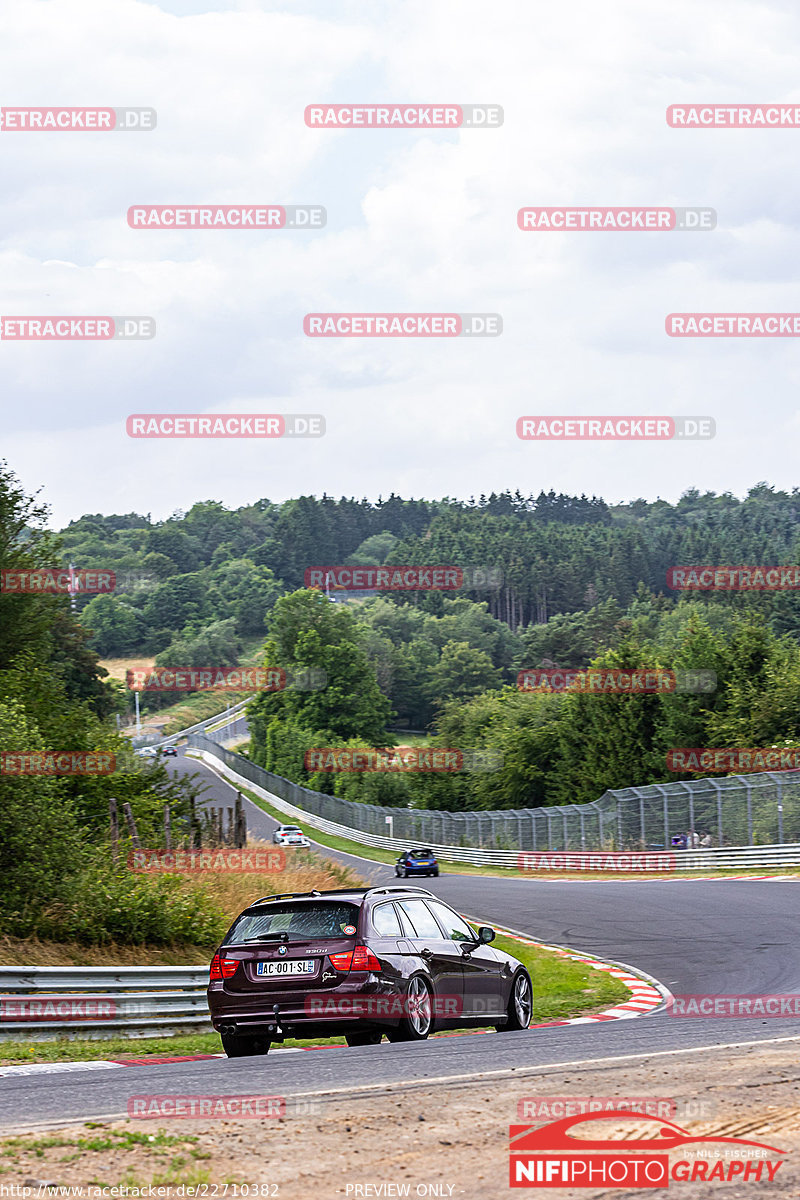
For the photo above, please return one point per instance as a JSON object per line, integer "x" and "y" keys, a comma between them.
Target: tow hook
{"x": 277, "y": 1012}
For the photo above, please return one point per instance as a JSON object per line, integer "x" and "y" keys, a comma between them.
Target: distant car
{"x": 290, "y": 835}
{"x": 146, "y": 752}
{"x": 359, "y": 962}
{"x": 416, "y": 862}
{"x": 170, "y": 752}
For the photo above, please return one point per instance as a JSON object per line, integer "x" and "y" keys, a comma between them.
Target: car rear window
{"x": 319, "y": 919}
{"x": 420, "y": 854}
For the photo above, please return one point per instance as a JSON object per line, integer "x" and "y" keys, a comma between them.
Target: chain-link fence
{"x": 737, "y": 810}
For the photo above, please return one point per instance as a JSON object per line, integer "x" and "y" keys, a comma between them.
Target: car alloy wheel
{"x": 417, "y": 1022}
{"x": 520, "y": 1003}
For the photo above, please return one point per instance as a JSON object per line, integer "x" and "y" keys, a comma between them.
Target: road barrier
{"x": 43, "y": 1003}
{"x": 276, "y": 790}
{"x": 156, "y": 740}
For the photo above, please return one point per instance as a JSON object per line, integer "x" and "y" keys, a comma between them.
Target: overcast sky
{"x": 417, "y": 222}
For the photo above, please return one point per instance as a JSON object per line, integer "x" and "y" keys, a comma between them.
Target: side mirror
{"x": 485, "y": 934}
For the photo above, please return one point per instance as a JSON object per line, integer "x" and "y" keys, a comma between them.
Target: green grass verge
{"x": 175, "y": 1156}
{"x": 561, "y": 988}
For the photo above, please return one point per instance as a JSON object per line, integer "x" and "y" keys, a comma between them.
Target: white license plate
{"x": 286, "y": 966}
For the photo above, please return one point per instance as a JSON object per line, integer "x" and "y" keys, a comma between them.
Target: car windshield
{"x": 318, "y": 919}
{"x": 421, "y": 854}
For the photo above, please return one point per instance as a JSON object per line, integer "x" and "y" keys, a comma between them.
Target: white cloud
{"x": 416, "y": 222}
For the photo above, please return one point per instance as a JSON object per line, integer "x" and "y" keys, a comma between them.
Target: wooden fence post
{"x": 126, "y": 808}
{"x": 240, "y": 840}
{"x": 114, "y": 815}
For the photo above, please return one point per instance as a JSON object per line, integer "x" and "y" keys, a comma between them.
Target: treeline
{"x": 381, "y": 658}
{"x": 552, "y": 554}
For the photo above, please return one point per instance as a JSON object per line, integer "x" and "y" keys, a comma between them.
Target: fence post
{"x": 128, "y": 811}
{"x": 114, "y": 817}
{"x": 780, "y": 813}
{"x": 195, "y": 829}
{"x": 549, "y": 831}
{"x": 749, "y": 812}
{"x": 666, "y": 816}
{"x": 583, "y": 828}
{"x": 718, "y": 789}
{"x": 241, "y": 823}
{"x": 167, "y": 828}
{"x": 642, "y": 830}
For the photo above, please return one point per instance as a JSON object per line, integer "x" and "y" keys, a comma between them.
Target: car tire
{"x": 243, "y": 1046}
{"x": 368, "y": 1037}
{"x": 417, "y": 1024}
{"x": 405, "y": 874}
{"x": 520, "y": 1003}
{"x": 435, "y": 873}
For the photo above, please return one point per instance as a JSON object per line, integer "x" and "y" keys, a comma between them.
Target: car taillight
{"x": 222, "y": 968}
{"x": 360, "y": 959}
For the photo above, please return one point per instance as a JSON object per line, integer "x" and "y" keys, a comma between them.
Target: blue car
{"x": 416, "y": 862}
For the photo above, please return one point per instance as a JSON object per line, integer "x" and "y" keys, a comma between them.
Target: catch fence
{"x": 737, "y": 810}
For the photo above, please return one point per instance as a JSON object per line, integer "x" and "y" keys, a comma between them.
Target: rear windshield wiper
{"x": 268, "y": 937}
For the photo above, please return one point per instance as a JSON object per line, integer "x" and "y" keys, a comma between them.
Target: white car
{"x": 146, "y": 752}
{"x": 290, "y": 835}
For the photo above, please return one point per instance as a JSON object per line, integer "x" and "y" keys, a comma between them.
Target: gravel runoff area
{"x": 431, "y": 1139}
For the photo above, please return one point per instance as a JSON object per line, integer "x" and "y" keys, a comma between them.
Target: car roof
{"x": 353, "y": 895}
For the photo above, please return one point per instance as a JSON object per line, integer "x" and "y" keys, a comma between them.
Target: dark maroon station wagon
{"x": 359, "y": 962}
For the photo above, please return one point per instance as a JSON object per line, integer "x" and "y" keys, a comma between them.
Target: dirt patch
{"x": 436, "y": 1141}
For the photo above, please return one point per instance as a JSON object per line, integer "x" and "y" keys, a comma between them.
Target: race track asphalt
{"x": 713, "y": 937}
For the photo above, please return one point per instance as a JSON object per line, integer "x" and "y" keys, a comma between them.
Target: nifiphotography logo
{"x": 552, "y": 1155}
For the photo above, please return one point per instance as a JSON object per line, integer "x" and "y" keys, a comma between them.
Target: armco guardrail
{"x": 741, "y": 857}
{"x": 39, "y": 1003}
{"x": 219, "y": 718}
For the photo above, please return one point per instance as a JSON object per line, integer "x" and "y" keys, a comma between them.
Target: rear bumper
{"x": 323, "y": 1012}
